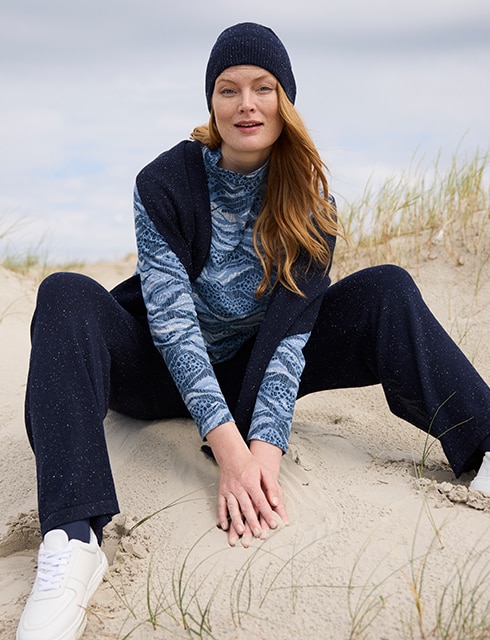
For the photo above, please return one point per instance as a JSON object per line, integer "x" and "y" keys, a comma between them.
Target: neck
{"x": 243, "y": 164}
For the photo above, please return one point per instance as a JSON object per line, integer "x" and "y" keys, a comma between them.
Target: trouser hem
{"x": 97, "y": 513}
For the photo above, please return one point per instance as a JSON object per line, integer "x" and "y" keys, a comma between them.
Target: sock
{"x": 79, "y": 530}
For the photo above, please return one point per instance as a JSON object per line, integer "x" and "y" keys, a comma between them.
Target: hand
{"x": 249, "y": 494}
{"x": 270, "y": 456}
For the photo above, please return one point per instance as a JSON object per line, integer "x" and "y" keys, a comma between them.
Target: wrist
{"x": 268, "y": 453}
{"x": 226, "y": 442}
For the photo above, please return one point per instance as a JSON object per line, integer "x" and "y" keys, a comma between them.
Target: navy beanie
{"x": 250, "y": 43}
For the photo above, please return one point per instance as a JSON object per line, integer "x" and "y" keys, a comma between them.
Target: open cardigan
{"x": 173, "y": 189}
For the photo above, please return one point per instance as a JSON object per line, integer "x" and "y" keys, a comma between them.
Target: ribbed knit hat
{"x": 250, "y": 43}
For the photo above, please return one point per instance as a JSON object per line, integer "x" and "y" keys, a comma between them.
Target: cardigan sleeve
{"x": 174, "y": 325}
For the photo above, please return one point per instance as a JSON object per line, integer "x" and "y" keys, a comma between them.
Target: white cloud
{"x": 90, "y": 91}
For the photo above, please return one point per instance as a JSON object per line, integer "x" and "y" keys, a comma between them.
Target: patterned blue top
{"x": 195, "y": 325}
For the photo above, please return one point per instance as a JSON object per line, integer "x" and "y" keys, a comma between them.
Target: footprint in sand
{"x": 22, "y": 534}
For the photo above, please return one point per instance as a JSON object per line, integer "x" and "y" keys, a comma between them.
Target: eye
{"x": 265, "y": 89}
{"x": 226, "y": 91}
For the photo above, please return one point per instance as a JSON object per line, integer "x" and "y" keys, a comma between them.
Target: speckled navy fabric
{"x": 195, "y": 325}
{"x": 89, "y": 353}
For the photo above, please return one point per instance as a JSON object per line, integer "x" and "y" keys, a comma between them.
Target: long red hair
{"x": 296, "y": 212}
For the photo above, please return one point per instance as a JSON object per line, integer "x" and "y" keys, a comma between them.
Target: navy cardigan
{"x": 173, "y": 189}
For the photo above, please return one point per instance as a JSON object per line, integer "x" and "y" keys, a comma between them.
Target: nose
{"x": 247, "y": 102}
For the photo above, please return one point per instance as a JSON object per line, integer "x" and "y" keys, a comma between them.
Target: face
{"x": 245, "y": 106}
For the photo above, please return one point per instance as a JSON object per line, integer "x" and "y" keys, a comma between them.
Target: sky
{"x": 93, "y": 90}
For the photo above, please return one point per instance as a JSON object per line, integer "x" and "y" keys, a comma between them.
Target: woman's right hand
{"x": 249, "y": 495}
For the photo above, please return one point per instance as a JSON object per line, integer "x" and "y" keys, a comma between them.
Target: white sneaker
{"x": 481, "y": 482}
{"x": 68, "y": 573}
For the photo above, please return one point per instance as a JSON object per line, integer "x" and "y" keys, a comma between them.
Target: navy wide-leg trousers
{"x": 89, "y": 354}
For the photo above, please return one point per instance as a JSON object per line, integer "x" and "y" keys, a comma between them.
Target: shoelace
{"x": 51, "y": 568}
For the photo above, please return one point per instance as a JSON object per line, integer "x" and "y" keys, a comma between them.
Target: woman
{"x": 229, "y": 319}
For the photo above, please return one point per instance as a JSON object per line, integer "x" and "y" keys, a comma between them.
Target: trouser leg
{"x": 87, "y": 354}
{"x": 374, "y": 327}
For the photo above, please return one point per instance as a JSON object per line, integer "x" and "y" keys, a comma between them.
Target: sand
{"x": 372, "y": 550}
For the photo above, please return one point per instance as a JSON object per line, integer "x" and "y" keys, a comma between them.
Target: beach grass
{"x": 33, "y": 260}
{"x": 424, "y": 213}
{"x": 189, "y": 602}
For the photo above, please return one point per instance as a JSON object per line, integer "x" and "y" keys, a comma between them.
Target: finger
{"x": 280, "y": 508}
{"x": 235, "y": 512}
{"x": 273, "y": 492}
{"x": 247, "y": 537}
{"x": 250, "y": 513}
{"x": 222, "y": 513}
{"x": 281, "y": 512}
{"x": 233, "y": 536}
{"x": 263, "y": 509}
{"x": 265, "y": 529}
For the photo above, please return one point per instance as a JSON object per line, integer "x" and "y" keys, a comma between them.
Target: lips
{"x": 248, "y": 125}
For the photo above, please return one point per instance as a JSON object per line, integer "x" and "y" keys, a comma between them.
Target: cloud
{"x": 91, "y": 91}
